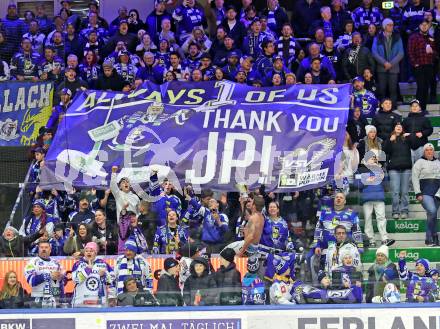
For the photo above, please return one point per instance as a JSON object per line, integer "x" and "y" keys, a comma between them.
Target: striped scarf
{"x": 128, "y": 269}
{"x": 291, "y": 50}
{"x": 255, "y": 44}
{"x": 271, "y": 21}
{"x": 140, "y": 240}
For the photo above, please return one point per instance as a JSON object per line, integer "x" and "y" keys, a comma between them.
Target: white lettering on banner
{"x": 228, "y": 162}
{"x": 315, "y": 123}
{"x": 332, "y": 99}
{"x": 211, "y": 163}
{"x": 228, "y": 119}
{"x": 20, "y": 102}
{"x": 37, "y": 95}
{"x": 12, "y": 326}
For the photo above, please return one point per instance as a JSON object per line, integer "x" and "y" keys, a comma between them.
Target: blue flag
{"x": 211, "y": 134}
{"x": 25, "y": 107}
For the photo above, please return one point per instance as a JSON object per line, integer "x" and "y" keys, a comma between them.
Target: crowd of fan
{"x": 252, "y": 44}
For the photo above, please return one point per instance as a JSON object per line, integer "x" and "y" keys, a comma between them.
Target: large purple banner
{"x": 211, "y": 134}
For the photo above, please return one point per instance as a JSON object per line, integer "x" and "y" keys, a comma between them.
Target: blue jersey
{"x": 264, "y": 65}
{"x": 421, "y": 286}
{"x": 363, "y": 17}
{"x": 276, "y": 234}
{"x": 166, "y": 240}
{"x": 329, "y": 219}
{"x": 307, "y": 294}
{"x": 367, "y": 102}
{"x": 253, "y": 290}
{"x": 25, "y": 65}
{"x": 187, "y": 18}
{"x": 165, "y": 204}
{"x": 212, "y": 232}
{"x": 57, "y": 246}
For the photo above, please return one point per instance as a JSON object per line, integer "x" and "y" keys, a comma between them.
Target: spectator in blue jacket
{"x": 214, "y": 226}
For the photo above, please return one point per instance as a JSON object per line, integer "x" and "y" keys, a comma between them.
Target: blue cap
{"x": 131, "y": 245}
{"x": 232, "y": 54}
{"x": 424, "y": 262}
{"x": 358, "y": 78}
{"x": 40, "y": 203}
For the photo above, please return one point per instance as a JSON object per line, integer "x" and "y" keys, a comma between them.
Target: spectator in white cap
{"x": 370, "y": 144}
{"x": 387, "y": 51}
{"x": 380, "y": 273}
{"x": 426, "y": 184}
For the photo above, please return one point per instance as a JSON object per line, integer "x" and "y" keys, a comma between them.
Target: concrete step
{"x": 408, "y": 91}
{"x": 404, "y": 227}
{"x": 388, "y": 213}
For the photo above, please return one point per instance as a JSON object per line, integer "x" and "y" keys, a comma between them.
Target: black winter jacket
{"x": 228, "y": 280}
{"x": 356, "y": 129}
{"x": 363, "y": 60}
{"x": 398, "y": 154}
{"x": 414, "y": 123}
{"x": 204, "y": 284}
{"x": 168, "y": 291}
{"x": 385, "y": 122}
{"x": 114, "y": 82}
{"x": 17, "y": 246}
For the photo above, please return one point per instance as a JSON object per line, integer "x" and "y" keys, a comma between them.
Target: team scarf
{"x": 292, "y": 50}
{"x": 128, "y": 269}
{"x": 271, "y": 21}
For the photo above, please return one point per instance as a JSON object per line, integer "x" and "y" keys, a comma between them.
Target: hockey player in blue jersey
{"x": 253, "y": 288}
{"x": 332, "y": 217}
{"x": 325, "y": 228}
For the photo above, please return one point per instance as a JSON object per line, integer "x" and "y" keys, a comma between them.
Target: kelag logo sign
{"x": 175, "y": 324}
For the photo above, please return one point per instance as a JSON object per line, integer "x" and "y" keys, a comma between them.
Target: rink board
{"x": 403, "y": 316}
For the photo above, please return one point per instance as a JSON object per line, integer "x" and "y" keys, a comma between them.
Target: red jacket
{"x": 417, "y": 49}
